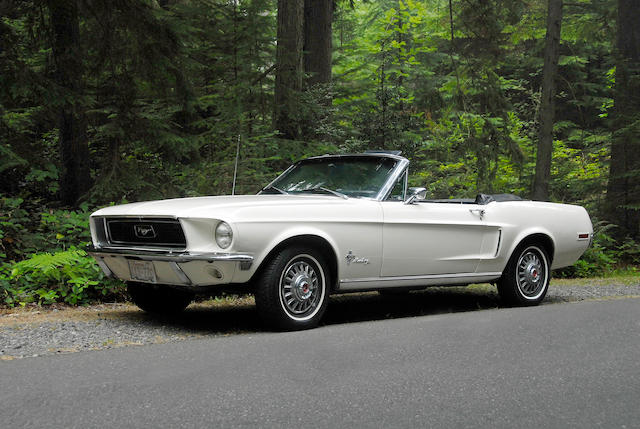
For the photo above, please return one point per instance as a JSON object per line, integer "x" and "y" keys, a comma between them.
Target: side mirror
{"x": 416, "y": 194}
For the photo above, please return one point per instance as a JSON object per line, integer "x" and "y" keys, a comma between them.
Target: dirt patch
{"x": 59, "y": 313}
{"x": 34, "y": 315}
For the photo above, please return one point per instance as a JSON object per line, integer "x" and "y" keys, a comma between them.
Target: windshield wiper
{"x": 273, "y": 188}
{"x": 323, "y": 190}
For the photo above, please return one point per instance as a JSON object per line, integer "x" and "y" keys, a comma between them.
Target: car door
{"x": 429, "y": 238}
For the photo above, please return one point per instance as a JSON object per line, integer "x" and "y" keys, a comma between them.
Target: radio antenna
{"x": 235, "y": 168}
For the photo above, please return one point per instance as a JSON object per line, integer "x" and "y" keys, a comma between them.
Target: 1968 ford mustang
{"x": 333, "y": 224}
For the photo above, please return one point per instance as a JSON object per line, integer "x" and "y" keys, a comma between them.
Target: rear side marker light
{"x": 583, "y": 236}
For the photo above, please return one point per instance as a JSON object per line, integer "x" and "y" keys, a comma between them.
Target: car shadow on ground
{"x": 212, "y": 319}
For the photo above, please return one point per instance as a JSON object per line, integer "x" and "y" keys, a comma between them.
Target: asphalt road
{"x": 560, "y": 365}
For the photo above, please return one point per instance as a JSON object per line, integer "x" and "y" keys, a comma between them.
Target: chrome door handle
{"x": 479, "y": 212}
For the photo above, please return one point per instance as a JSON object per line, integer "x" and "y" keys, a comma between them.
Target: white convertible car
{"x": 334, "y": 224}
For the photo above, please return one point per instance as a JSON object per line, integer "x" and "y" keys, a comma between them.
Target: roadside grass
{"x": 627, "y": 278}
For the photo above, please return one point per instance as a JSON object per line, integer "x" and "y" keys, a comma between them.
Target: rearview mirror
{"x": 415, "y": 195}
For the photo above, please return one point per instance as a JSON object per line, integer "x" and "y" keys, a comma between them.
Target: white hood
{"x": 207, "y": 207}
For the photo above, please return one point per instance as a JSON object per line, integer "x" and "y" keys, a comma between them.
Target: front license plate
{"x": 143, "y": 271}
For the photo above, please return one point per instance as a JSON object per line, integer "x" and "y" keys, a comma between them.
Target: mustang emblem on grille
{"x": 144, "y": 231}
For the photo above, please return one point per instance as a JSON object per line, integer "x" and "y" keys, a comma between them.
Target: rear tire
{"x": 525, "y": 280}
{"x": 159, "y": 299}
{"x": 293, "y": 289}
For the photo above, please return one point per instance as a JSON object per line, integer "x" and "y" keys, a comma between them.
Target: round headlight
{"x": 224, "y": 235}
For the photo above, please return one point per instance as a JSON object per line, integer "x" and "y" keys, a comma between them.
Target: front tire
{"x": 159, "y": 299}
{"x": 293, "y": 289}
{"x": 525, "y": 280}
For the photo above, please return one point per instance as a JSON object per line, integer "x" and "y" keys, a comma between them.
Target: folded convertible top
{"x": 487, "y": 198}
{"x": 481, "y": 199}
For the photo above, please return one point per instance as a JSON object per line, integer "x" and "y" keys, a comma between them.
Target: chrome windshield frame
{"x": 401, "y": 166}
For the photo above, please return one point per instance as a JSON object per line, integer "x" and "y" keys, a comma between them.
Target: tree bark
{"x": 75, "y": 178}
{"x": 289, "y": 67}
{"x": 318, "y": 17}
{"x": 547, "y": 102}
{"x": 623, "y": 189}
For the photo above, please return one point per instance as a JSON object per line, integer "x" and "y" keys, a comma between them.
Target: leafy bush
{"x": 69, "y": 276}
{"x": 27, "y": 228}
{"x": 41, "y": 256}
{"x": 13, "y": 219}
{"x": 66, "y": 228}
{"x": 629, "y": 252}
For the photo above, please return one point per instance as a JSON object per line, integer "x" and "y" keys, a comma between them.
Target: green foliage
{"x": 27, "y": 229}
{"x": 170, "y": 89}
{"x": 13, "y": 219}
{"x": 68, "y": 276}
{"x": 52, "y": 267}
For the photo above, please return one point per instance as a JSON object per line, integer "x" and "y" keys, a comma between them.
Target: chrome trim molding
{"x": 425, "y": 277}
{"x": 181, "y": 274}
{"x": 373, "y": 283}
{"x": 167, "y": 255}
{"x": 138, "y": 217}
{"x": 401, "y": 167}
{"x": 278, "y": 178}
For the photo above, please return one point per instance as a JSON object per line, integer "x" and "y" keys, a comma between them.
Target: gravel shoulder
{"x": 30, "y": 332}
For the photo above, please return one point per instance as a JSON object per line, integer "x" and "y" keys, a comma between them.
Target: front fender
{"x": 266, "y": 243}
{"x": 360, "y": 238}
{"x": 298, "y": 231}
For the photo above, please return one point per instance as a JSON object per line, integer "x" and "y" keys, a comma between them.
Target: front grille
{"x": 150, "y": 232}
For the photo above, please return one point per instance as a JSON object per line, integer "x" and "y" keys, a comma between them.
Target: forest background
{"x": 109, "y": 101}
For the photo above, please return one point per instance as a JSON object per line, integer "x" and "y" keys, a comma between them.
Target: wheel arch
{"x": 315, "y": 241}
{"x": 509, "y": 287}
{"x": 541, "y": 238}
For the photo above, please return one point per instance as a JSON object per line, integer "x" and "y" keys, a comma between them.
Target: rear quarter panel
{"x": 517, "y": 220}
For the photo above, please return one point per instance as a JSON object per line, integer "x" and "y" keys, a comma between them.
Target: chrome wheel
{"x": 292, "y": 292}
{"x": 525, "y": 279}
{"x": 532, "y": 273}
{"x": 301, "y": 287}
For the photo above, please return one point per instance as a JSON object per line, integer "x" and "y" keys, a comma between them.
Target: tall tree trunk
{"x": 318, "y": 17}
{"x": 289, "y": 71}
{"x": 547, "y": 103}
{"x": 623, "y": 190}
{"x": 75, "y": 178}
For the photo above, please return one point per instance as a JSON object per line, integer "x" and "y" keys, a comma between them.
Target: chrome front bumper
{"x": 171, "y": 267}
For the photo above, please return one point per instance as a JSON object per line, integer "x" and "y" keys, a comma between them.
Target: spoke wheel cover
{"x": 532, "y": 273}
{"x": 301, "y": 287}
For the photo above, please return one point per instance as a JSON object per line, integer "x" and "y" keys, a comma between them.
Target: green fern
{"x": 70, "y": 276}
{"x": 51, "y": 266}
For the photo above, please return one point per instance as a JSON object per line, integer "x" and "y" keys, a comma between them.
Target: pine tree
{"x": 289, "y": 67}
{"x": 547, "y": 108}
{"x": 623, "y": 191}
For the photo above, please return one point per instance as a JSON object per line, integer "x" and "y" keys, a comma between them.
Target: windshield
{"x": 352, "y": 176}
